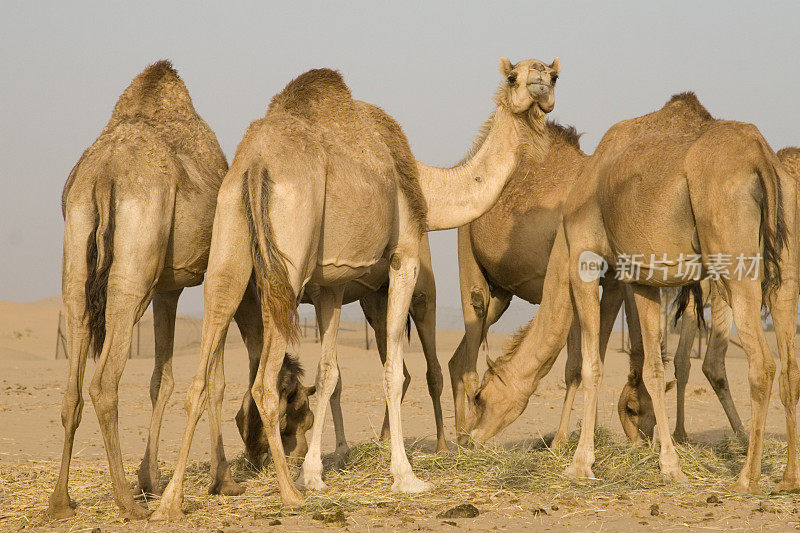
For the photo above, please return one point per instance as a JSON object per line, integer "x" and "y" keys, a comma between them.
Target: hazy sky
{"x": 433, "y": 66}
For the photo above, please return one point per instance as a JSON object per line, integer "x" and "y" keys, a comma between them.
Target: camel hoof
{"x": 292, "y": 498}
{"x": 341, "y": 451}
{"x": 167, "y": 513}
{"x": 136, "y": 512}
{"x": 146, "y": 490}
{"x": 441, "y": 447}
{"x": 227, "y": 487}
{"x": 411, "y": 484}
{"x": 792, "y": 483}
{"x": 745, "y": 487}
{"x": 579, "y": 471}
{"x": 59, "y": 510}
{"x": 680, "y": 437}
{"x": 557, "y": 443}
{"x": 314, "y": 483}
{"x": 674, "y": 474}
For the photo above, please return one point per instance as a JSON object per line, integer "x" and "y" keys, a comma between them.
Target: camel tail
{"x": 773, "y": 225}
{"x": 99, "y": 255}
{"x": 682, "y": 302}
{"x": 277, "y": 295}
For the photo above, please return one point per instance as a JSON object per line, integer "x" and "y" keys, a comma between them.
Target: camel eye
{"x": 477, "y": 398}
{"x": 554, "y": 79}
{"x": 512, "y": 79}
{"x": 631, "y": 411}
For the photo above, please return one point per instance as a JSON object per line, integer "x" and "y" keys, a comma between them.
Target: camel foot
{"x": 168, "y": 512}
{"x": 60, "y": 507}
{"x": 441, "y": 446}
{"x": 341, "y": 451}
{"x": 146, "y": 488}
{"x": 674, "y": 474}
{"x": 291, "y": 497}
{"x": 680, "y": 436}
{"x": 579, "y": 471}
{"x": 746, "y": 487}
{"x": 558, "y": 441}
{"x": 226, "y": 487}
{"x": 135, "y": 512}
{"x": 311, "y": 482}
{"x": 789, "y": 483}
{"x": 411, "y": 484}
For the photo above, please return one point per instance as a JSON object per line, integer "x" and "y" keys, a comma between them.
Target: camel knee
{"x": 716, "y": 376}
{"x": 435, "y": 382}
{"x": 196, "y": 395}
{"x": 479, "y": 301}
{"x": 161, "y": 384}
{"x": 71, "y": 409}
{"x": 104, "y": 398}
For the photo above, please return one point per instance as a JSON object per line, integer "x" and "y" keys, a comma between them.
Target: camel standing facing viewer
{"x": 321, "y": 189}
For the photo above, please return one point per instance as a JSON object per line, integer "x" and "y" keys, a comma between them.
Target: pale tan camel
{"x": 713, "y": 362}
{"x": 504, "y": 253}
{"x": 674, "y": 182}
{"x": 138, "y": 208}
{"x": 372, "y": 293}
{"x": 324, "y": 187}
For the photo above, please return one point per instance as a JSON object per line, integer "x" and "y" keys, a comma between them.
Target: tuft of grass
{"x": 362, "y": 479}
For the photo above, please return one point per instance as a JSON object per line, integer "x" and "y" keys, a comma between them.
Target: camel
{"x": 138, "y": 208}
{"x": 672, "y": 185}
{"x": 632, "y": 414}
{"x": 504, "y": 253}
{"x": 372, "y": 294}
{"x": 315, "y": 158}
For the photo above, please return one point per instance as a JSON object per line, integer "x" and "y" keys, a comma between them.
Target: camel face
{"x": 495, "y": 406}
{"x": 636, "y": 412}
{"x": 532, "y": 84}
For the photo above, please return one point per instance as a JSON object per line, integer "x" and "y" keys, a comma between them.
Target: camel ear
{"x": 505, "y": 67}
{"x": 670, "y": 386}
{"x": 556, "y": 65}
{"x": 311, "y": 390}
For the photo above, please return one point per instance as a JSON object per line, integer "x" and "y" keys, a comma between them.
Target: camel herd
{"x": 325, "y": 203}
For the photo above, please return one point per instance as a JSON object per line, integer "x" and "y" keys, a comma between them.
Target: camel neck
{"x": 460, "y": 194}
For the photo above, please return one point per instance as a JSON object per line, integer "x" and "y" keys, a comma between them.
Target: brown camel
{"x": 138, "y": 208}
{"x": 372, "y": 293}
{"x": 504, "y": 253}
{"x": 635, "y": 418}
{"x": 342, "y": 172}
{"x": 672, "y": 185}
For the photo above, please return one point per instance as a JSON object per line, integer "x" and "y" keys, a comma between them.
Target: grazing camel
{"x": 633, "y": 415}
{"x": 342, "y": 172}
{"x": 372, "y": 293}
{"x": 504, "y": 253}
{"x": 138, "y": 208}
{"x": 682, "y": 189}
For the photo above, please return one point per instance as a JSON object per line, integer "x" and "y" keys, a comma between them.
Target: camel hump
{"x": 688, "y": 100}
{"x": 311, "y": 91}
{"x": 157, "y": 93}
{"x": 790, "y": 158}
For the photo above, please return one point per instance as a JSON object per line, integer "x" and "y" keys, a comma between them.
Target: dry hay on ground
{"x": 362, "y": 481}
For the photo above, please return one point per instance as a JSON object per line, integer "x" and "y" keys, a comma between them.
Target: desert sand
{"x": 32, "y": 381}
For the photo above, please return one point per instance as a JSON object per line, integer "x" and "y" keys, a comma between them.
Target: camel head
{"x": 497, "y": 403}
{"x": 530, "y": 85}
{"x": 295, "y": 412}
{"x": 635, "y": 409}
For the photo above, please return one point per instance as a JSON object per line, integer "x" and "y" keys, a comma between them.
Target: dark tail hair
{"x": 772, "y": 228}
{"x": 99, "y": 255}
{"x": 272, "y": 276}
{"x": 682, "y": 302}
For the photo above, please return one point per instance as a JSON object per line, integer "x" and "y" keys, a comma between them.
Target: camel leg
{"x": 683, "y": 366}
{"x": 423, "y": 311}
{"x": 587, "y": 305}
{"x": 403, "y": 272}
{"x": 647, "y": 305}
{"x": 248, "y": 319}
{"x": 783, "y": 306}
{"x": 572, "y": 380}
{"x": 229, "y": 268}
{"x": 714, "y": 362}
{"x": 165, "y": 305}
{"x": 374, "y": 307}
{"x": 609, "y": 309}
{"x": 746, "y": 305}
{"x": 330, "y": 306}
{"x": 78, "y": 227}
{"x": 336, "y": 397}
